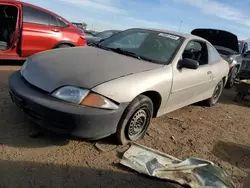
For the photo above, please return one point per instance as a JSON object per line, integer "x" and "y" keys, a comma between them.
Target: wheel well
{"x": 224, "y": 80}
{"x": 62, "y": 43}
{"x": 156, "y": 99}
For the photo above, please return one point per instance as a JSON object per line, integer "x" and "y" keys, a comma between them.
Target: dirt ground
{"x": 220, "y": 134}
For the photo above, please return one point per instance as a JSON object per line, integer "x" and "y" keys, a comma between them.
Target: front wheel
{"x": 135, "y": 120}
{"x": 216, "y": 94}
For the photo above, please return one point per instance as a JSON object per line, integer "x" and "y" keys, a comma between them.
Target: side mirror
{"x": 246, "y": 54}
{"x": 188, "y": 63}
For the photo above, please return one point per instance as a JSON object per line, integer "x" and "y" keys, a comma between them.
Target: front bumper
{"x": 60, "y": 116}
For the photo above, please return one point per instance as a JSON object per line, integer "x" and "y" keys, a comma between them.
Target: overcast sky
{"x": 231, "y": 15}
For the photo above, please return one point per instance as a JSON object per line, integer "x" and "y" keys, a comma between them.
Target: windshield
{"x": 158, "y": 47}
{"x": 105, "y": 34}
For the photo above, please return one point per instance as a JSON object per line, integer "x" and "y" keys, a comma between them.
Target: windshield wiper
{"x": 132, "y": 54}
{"x": 150, "y": 60}
{"x": 124, "y": 52}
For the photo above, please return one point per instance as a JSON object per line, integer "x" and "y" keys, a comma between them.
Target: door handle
{"x": 55, "y": 30}
{"x": 209, "y": 72}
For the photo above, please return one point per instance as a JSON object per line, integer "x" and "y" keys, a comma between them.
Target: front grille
{"x": 50, "y": 124}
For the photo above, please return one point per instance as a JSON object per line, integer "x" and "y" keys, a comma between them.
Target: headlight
{"x": 83, "y": 97}
{"x": 233, "y": 61}
{"x": 230, "y": 59}
{"x": 23, "y": 67}
{"x": 71, "y": 94}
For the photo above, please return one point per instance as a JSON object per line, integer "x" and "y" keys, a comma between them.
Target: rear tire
{"x": 135, "y": 120}
{"x": 63, "y": 46}
{"x": 231, "y": 78}
{"x": 216, "y": 94}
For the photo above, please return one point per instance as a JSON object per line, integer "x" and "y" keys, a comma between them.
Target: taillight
{"x": 83, "y": 40}
{"x": 83, "y": 37}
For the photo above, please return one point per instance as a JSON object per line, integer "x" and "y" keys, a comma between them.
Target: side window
{"x": 54, "y": 21}
{"x": 33, "y": 15}
{"x": 214, "y": 56}
{"x": 197, "y": 51}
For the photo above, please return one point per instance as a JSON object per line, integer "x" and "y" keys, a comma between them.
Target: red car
{"x": 27, "y": 29}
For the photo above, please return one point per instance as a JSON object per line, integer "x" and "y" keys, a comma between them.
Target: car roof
{"x": 184, "y": 35}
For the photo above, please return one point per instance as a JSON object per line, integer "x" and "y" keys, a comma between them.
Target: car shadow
{"x": 228, "y": 97}
{"x": 15, "y": 127}
{"x": 21, "y": 134}
{"x": 17, "y": 174}
{"x": 11, "y": 62}
{"x": 235, "y": 154}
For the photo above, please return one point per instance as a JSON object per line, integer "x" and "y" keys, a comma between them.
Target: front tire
{"x": 216, "y": 94}
{"x": 135, "y": 120}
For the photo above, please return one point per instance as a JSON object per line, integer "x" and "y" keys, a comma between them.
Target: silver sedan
{"x": 118, "y": 85}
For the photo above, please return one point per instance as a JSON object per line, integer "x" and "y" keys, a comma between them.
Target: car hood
{"x": 218, "y": 38}
{"x": 84, "y": 67}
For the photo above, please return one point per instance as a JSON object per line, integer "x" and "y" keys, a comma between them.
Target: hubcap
{"x": 217, "y": 92}
{"x": 137, "y": 124}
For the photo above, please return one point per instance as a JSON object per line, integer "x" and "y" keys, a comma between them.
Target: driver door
{"x": 190, "y": 86}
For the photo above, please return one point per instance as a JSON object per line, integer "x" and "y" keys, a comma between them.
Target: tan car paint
{"x": 125, "y": 89}
{"x": 177, "y": 87}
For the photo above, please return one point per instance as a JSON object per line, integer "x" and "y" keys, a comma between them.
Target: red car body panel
{"x": 31, "y": 38}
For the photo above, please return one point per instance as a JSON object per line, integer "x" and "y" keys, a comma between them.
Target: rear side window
{"x": 62, "y": 23}
{"x": 214, "y": 56}
{"x": 33, "y": 15}
{"x": 53, "y": 21}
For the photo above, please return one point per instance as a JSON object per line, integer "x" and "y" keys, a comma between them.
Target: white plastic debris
{"x": 196, "y": 173}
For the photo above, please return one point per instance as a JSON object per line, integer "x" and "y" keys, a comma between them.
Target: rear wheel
{"x": 63, "y": 46}
{"x": 231, "y": 78}
{"x": 216, "y": 94}
{"x": 135, "y": 120}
